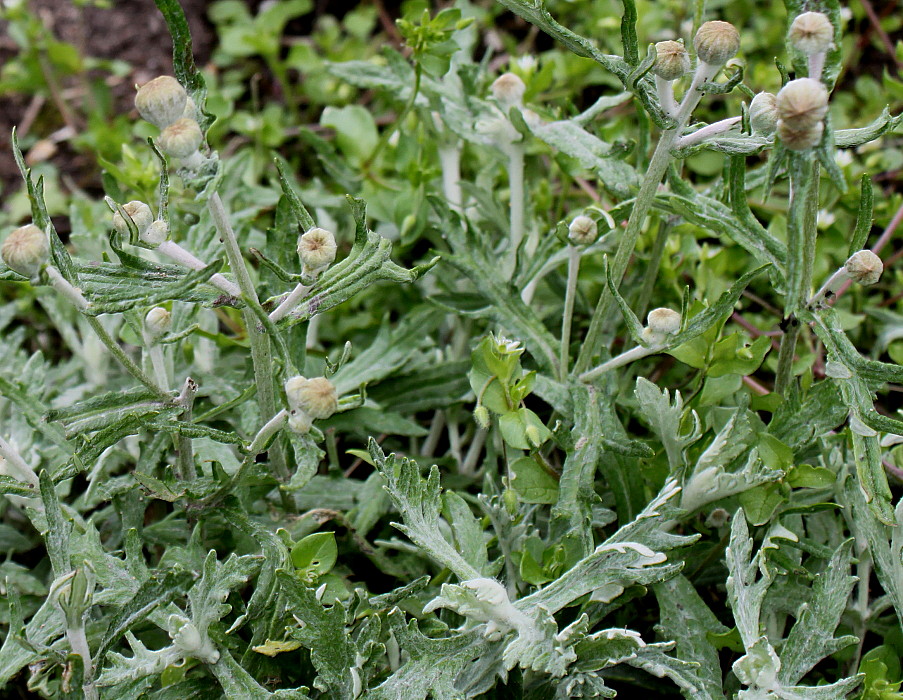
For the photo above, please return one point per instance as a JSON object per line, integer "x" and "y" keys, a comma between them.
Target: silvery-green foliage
{"x": 173, "y": 527}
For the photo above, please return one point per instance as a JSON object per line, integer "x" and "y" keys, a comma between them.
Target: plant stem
{"x": 568, "y": 317}
{"x": 450, "y": 162}
{"x": 290, "y": 302}
{"x": 78, "y": 642}
{"x": 23, "y": 472}
{"x": 158, "y": 363}
{"x": 184, "y": 258}
{"x": 655, "y": 263}
{"x": 516, "y": 188}
{"x": 126, "y": 361}
{"x": 801, "y": 234}
{"x": 261, "y": 354}
{"x": 658, "y": 166}
{"x": 469, "y": 465}
{"x": 625, "y": 358}
{"x": 185, "y": 468}
{"x": 64, "y": 287}
{"x": 399, "y": 120}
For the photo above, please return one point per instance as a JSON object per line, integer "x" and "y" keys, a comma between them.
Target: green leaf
{"x": 689, "y": 621}
{"x": 812, "y": 637}
{"x": 356, "y": 134}
{"x": 419, "y": 503}
{"x": 807, "y": 476}
{"x": 531, "y": 482}
{"x": 523, "y": 429}
{"x": 468, "y": 532}
{"x": 760, "y": 503}
{"x": 315, "y": 555}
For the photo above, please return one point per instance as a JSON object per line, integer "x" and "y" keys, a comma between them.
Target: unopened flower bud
{"x": 663, "y": 321}
{"x": 26, "y": 250}
{"x": 718, "y": 518}
{"x": 811, "y": 33}
{"x": 716, "y": 42}
{"x": 481, "y": 416}
{"x": 763, "y": 113}
{"x": 672, "y": 60}
{"x": 864, "y": 267}
{"x": 802, "y": 103}
{"x": 509, "y": 498}
{"x": 583, "y": 231}
{"x": 800, "y": 139}
{"x": 157, "y": 322}
{"x": 509, "y": 90}
{"x": 181, "y": 139}
{"x": 156, "y": 233}
{"x": 316, "y": 397}
{"x": 140, "y": 214}
{"x": 161, "y": 101}
{"x": 317, "y": 249}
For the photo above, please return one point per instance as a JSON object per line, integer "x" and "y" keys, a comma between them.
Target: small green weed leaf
{"x": 315, "y": 555}
{"x": 531, "y": 482}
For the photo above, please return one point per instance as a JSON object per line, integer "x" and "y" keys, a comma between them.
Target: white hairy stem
{"x": 64, "y": 287}
{"x": 290, "y": 302}
{"x": 665, "y": 90}
{"x": 181, "y": 256}
{"x": 831, "y": 285}
{"x": 707, "y": 131}
{"x": 817, "y": 64}
{"x": 17, "y": 465}
{"x": 79, "y": 644}
{"x": 625, "y": 358}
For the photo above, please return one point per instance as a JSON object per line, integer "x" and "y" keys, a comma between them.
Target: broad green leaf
{"x": 531, "y": 482}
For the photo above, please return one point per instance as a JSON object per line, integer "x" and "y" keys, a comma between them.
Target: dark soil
{"x": 130, "y": 30}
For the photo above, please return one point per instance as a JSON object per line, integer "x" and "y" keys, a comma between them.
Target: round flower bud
{"x": 800, "y": 139}
{"x": 181, "y": 138}
{"x": 583, "y": 231}
{"x": 161, "y": 101}
{"x": 508, "y": 89}
{"x": 317, "y": 249}
{"x": 763, "y": 113}
{"x": 864, "y": 267}
{"x": 663, "y": 321}
{"x": 802, "y": 103}
{"x": 26, "y": 250}
{"x": 157, "y": 322}
{"x": 811, "y": 33}
{"x": 481, "y": 416}
{"x": 716, "y": 42}
{"x": 672, "y": 60}
{"x": 316, "y": 397}
{"x": 156, "y": 233}
{"x": 140, "y": 214}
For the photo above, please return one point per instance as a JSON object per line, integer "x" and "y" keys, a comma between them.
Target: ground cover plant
{"x": 438, "y": 376}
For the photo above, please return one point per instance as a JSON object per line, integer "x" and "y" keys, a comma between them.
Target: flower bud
{"x": 811, "y": 33}
{"x": 140, "y": 214}
{"x": 716, "y": 42}
{"x": 316, "y": 397}
{"x": 181, "y": 139}
{"x": 161, "y": 101}
{"x": 26, "y": 250}
{"x": 509, "y": 90}
{"x": 481, "y": 416}
{"x": 763, "y": 113}
{"x": 864, "y": 267}
{"x": 800, "y": 139}
{"x": 583, "y": 231}
{"x": 663, "y": 321}
{"x": 156, "y": 233}
{"x": 672, "y": 60}
{"x": 534, "y": 437}
{"x": 802, "y": 103}
{"x": 157, "y": 322}
{"x": 317, "y": 249}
